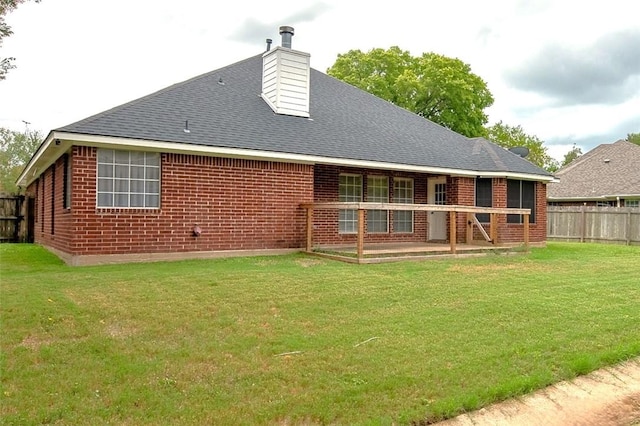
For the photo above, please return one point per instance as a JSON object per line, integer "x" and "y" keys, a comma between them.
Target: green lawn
{"x": 206, "y": 342}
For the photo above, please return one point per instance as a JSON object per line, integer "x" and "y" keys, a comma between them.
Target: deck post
{"x": 493, "y": 228}
{"x": 526, "y": 232}
{"x": 360, "y": 234}
{"x": 469, "y": 238}
{"x": 309, "y": 229}
{"x": 452, "y": 231}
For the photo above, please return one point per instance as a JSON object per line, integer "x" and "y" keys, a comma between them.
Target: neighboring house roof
{"x": 347, "y": 126}
{"x": 606, "y": 172}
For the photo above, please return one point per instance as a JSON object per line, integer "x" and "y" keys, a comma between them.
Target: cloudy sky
{"x": 567, "y": 71}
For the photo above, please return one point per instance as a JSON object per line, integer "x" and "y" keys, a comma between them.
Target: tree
{"x": 441, "y": 89}
{"x": 574, "y": 153}
{"x": 510, "y": 137}
{"x": 16, "y": 149}
{"x": 634, "y": 138}
{"x": 7, "y": 6}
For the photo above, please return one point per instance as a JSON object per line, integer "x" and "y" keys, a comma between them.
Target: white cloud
{"x": 77, "y": 58}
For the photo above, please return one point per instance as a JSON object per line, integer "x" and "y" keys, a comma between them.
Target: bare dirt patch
{"x": 306, "y": 263}
{"x": 607, "y": 397}
{"x": 483, "y": 268}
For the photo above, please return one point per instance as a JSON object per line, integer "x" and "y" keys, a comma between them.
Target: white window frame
{"x": 128, "y": 179}
{"x": 402, "y": 187}
{"x": 67, "y": 182}
{"x": 349, "y": 190}
{"x": 377, "y": 192}
{"x": 633, "y": 204}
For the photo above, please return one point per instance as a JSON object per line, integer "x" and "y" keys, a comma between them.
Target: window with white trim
{"x": 632, "y": 203}
{"x": 66, "y": 196}
{"x": 521, "y": 194}
{"x": 128, "y": 179}
{"x": 377, "y": 192}
{"x": 403, "y": 194}
{"x": 350, "y": 190}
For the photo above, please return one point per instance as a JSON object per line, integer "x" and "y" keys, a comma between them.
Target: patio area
{"x": 367, "y": 252}
{"x": 393, "y": 252}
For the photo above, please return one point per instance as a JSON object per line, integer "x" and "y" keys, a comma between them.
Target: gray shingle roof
{"x": 608, "y": 170}
{"x": 346, "y": 123}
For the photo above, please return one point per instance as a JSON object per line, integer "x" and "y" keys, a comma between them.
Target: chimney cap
{"x": 286, "y": 32}
{"x": 286, "y": 29}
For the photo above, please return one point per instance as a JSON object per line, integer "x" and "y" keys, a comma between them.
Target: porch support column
{"x": 360, "y": 234}
{"x": 452, "y": 231}
{"x": 309, "y": 229}
{"x": 526, "y": 232}
{"x": 469, "y": 238}
{"x": 493, "y": 228}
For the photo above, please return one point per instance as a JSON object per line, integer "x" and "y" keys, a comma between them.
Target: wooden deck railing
{"x": 453, "y": 210}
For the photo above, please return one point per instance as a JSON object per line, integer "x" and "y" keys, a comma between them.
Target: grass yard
{"x": 302, "y": 340}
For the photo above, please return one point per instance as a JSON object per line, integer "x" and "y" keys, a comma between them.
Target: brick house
{"x": 220, "y": 164}
{"x": 606, "y": 176}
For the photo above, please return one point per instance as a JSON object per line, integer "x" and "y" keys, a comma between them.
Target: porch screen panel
{"x": 521, "y": 194}
{"x": 403, "y": 194}
{"x": 350, "y": 190}
{"x": 484, "y": 197}
{"x": 377, "y": 192}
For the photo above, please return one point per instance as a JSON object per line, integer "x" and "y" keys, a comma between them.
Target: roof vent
{"x": 286, "y": 33}
{"x": 607, "y": 160}
{"x": 269, "y": 41}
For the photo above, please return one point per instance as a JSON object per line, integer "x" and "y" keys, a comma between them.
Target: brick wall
{"x": 326, "y": 187}
{"x": 238, "y": 204}
{"x": 53, "y": 223}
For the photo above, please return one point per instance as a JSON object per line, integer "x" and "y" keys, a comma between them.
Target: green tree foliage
{"x": 439, "y": 88}
{"x": 574, "y": 153}
{"x": 634, "y": 138}
{"x": 16, "y": 149}
{"x": 7, "y": 6}
{"x": 509, "y": 137}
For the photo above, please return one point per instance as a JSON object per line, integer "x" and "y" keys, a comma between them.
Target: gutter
{"x": 57, "y": 143}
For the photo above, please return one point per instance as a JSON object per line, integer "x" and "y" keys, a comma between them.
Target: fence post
{"x": 627, "y": 231}
{"x": 583, "y": 223}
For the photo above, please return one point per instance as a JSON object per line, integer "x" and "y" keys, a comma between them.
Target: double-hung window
{"x": 521, "y": 194}
{"x": 66, "y": 189}
{"x": 350, "y": 190}
{"x": 377, "y": 192}
{"x": 403, "y": 194}
{"x": 484, "y": 197}
{"x": 128, "y": 179}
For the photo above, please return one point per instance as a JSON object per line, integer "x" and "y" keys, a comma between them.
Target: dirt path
{"x": 607, "y": 397}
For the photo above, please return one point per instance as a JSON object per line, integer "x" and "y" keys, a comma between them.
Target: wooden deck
{"x": 393, "y": 252}
{"x": 364, "y": 252}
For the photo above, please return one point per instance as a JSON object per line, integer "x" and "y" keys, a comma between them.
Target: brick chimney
{"x": 285, "y": 78}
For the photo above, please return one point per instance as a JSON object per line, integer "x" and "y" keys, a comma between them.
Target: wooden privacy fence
{"x": 594, "y": 224}
{"x": 16, "y": 219}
